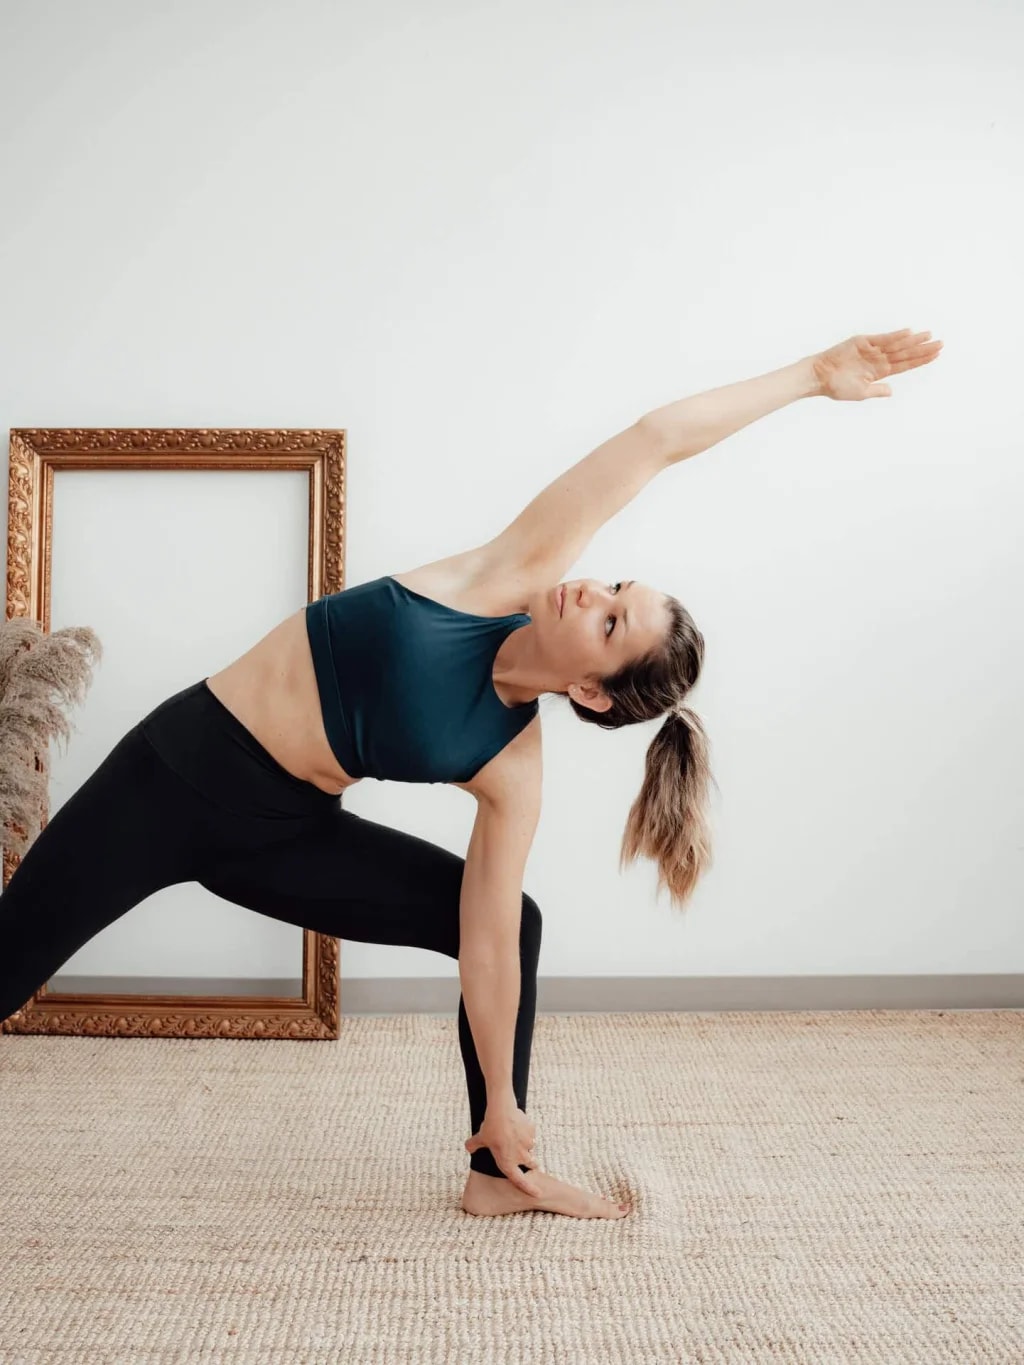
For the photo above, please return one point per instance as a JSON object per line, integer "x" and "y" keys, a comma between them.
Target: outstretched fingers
{"x": 911, "y": 360}
{"x": 905, "y": 346}
{"x": 888, "y": 339}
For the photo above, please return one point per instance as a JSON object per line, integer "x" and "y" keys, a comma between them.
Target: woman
{"x": 433, "y": 675}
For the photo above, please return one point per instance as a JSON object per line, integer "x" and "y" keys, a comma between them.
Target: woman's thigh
{"x": 352, "y": 878}
{"x": 129, "y": 830}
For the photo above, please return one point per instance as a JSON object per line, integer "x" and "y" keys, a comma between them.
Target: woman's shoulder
{"x": 473, "y": 581}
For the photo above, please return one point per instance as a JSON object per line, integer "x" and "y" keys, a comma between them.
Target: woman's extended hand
{"x": 510, "y": 1136}
{"x": 854, "y": 368}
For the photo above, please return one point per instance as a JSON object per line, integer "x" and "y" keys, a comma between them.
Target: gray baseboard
{"x": 607, "y": 994}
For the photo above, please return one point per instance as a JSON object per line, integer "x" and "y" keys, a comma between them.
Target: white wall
{"x": 483, "y": 239}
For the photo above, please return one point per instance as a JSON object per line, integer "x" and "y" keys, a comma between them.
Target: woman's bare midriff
{"x": 272, "y": 690}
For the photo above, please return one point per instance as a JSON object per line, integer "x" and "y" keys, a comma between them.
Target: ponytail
{"x": 668, "y": 821}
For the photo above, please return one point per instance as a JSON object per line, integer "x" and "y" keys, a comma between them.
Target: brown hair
{"x": 668, "y": 821}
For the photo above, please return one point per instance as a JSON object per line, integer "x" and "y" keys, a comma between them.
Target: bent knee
{"x": 532, "y": 923}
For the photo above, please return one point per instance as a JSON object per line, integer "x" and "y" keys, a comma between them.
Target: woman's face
{"x": 587, "y": 629}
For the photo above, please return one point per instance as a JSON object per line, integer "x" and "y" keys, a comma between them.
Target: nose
{"x": 586, "y": 591}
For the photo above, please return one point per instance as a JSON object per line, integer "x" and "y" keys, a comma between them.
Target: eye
{"x": 615, "y": 588}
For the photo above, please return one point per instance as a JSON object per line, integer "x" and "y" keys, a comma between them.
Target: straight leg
{"x": 126, "y": 832}
{"x": 357, "y": 879}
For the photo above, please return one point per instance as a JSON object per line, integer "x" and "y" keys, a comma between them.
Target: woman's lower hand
{"x": 510, "y": 1136}
{"x": 854, "y": 368}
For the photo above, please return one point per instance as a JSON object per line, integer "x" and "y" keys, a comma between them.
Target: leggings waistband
{"x": 207, "y": 745}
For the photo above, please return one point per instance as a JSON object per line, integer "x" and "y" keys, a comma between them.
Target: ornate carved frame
{"x": 36, "y": 454}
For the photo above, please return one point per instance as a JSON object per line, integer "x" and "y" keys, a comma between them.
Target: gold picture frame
{"x": 36, "y": 457}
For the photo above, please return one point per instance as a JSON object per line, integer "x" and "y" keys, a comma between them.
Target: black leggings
{"x": 189, "y": 794}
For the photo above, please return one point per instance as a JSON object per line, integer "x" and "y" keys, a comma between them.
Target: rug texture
{"x": 808, "y": 1187}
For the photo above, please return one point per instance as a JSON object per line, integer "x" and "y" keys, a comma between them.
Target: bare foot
{"x": 492, "y": 1194}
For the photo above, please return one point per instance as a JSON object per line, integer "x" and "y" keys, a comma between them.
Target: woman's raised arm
{"x": 552, "y": 531}
{"x": 852, "y": 369}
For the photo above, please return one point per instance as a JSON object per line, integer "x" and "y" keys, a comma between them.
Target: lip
{"x": 561, "y": 599}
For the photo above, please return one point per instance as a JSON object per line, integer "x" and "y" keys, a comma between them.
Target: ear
{"x": 586, "y": 694}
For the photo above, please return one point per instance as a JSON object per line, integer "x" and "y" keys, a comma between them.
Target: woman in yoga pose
{"x": 433, "y": 675}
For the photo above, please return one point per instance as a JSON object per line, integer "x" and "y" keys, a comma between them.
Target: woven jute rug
{"x": 808, "y": 1187}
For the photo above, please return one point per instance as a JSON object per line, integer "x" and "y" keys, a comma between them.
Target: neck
{"x": 516, "y": 670}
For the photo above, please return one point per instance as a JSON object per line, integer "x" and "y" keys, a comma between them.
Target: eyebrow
{"x": 625, "y": 613}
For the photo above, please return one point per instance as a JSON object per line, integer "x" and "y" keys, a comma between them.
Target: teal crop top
{"x": 405, "y": 683}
